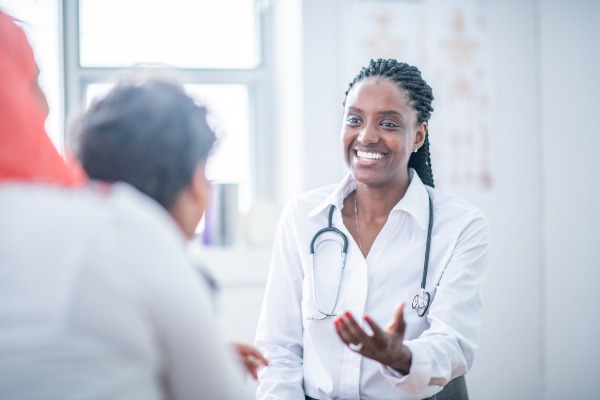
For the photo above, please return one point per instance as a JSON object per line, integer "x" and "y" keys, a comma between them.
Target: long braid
{"x": 420, "y": 94}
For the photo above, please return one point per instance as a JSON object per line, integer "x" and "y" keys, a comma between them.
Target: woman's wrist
{"x": 403, "y": 362}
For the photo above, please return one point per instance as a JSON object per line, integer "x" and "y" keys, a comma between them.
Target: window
{"x": 218, "y": 49}
{"x": 181, "y": 33}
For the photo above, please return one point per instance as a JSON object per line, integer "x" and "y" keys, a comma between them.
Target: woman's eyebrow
{"x": 352, "y": 109}
{"x": 391, "y": 112}
{"x": 355, "y": 109}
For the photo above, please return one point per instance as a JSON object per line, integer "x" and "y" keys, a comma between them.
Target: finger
{"x": 399, "y": 326}
{"x": 350, "y": 322}
{"x": 341, "y": 330}
{"x": 348, "y": 336}
{"x": 252, "y": 365}
{"x": 256, "y": 355}
{"x": 397, "y": 323}
{"x": 252, "y": 368}
{"x": 349, "y": 330}
{"x": 240, "y": 348}
{"x": 353, "y": 328}
{"x": 378, "y": 333}
{"x": 247, "y": 351}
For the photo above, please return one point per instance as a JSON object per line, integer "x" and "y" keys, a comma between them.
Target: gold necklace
{"x": 356, "y": 221}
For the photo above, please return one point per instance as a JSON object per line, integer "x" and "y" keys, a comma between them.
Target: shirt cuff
{"x": 418, "y": 377}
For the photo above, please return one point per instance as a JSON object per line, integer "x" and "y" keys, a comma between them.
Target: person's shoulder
{"x": 50, "y": 203}
{"x": 112, "y": 223}
{"x": 132, "y": 208}
{"x": 94, "y": 212}
{"x": 458, "y": 217}
{"x": 452, "y": 206}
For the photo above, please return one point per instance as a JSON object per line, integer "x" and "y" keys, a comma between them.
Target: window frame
{"x": 257, "y": 80}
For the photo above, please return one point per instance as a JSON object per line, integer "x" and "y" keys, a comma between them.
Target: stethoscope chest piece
{"x": 421, "y": 302}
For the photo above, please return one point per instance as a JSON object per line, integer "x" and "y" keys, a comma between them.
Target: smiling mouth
{"x": 368, "y": 155}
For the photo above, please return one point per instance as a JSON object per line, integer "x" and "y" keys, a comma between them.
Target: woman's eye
{"x": 351, "y": 120}
{"x": 389, "y": 124}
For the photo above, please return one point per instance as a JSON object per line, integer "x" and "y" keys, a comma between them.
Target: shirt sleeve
{"x": 279, "y": 332}
{"x": 446, "y": 349}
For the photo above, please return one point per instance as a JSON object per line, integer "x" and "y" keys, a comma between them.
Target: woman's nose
{"x": 368, "y": 135}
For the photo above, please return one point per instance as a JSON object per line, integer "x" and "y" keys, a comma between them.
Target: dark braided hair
{"x": 420, "y": 95}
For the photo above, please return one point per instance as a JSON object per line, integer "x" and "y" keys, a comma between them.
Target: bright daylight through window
{"x": 215, "y": 44}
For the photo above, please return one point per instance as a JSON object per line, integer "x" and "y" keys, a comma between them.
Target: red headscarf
{"x": 26, "y": 152}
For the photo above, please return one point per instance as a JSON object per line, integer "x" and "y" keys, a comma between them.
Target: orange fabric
{"x": 26, "y": 152}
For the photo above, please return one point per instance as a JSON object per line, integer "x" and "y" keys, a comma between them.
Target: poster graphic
{"x": 448, "y": 40}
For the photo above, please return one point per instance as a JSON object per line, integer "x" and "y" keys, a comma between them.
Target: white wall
{"x": 508, "y": 364}
{"x": 570, "y": 104}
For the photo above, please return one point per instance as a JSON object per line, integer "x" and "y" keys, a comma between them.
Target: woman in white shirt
{"x": 383, "y": 208}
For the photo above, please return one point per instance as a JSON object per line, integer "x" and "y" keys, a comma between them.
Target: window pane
{"x": 228, "y": 113}
{"x": 181, "y": 33}
{"x": 228, "y": 107}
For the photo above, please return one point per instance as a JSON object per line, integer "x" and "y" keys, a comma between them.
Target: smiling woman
{"x": 413, "y": 100}
{"x": 379, "y": 132}
{"x": 388, "y": 205}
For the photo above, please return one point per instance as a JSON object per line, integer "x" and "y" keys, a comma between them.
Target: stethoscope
{"x": 421, "y": 300}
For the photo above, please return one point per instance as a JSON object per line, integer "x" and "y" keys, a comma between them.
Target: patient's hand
{"x": 251, "y": 357}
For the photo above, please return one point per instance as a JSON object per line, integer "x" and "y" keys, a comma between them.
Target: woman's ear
{"x": 420, "y": 135}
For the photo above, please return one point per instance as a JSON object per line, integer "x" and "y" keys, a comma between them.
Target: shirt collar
{"x": 337, "y": 196}
{"x": 415, "y": 201}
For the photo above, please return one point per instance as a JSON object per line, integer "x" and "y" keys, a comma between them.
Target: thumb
{"x": 397, "y": 325}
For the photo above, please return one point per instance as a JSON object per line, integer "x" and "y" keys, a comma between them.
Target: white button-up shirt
{"x": 306, "y": 355}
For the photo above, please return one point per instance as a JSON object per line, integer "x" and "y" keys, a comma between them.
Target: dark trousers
{"x": 456, "y": 389}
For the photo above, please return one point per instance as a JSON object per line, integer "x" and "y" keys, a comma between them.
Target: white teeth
{"x": 369, "y": 156}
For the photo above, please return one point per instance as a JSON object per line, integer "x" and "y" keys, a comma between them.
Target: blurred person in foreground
{"x": 149, "y": 133}
{"x": 97, "y": 300}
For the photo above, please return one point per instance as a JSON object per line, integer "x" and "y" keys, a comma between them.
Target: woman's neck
{"x": 376, "y": 202}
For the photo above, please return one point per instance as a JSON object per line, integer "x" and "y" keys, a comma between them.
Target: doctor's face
{"x": 379, "y": 132}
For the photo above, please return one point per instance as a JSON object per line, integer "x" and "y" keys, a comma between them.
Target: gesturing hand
{"x": 384, "y": 346}
{"x": 251, "y": 357}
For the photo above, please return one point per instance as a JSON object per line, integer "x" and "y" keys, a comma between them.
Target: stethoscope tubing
{"x": 421, "y": 301}
{"x": 427, "y": 245}
{"x": 329, "y": 228}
